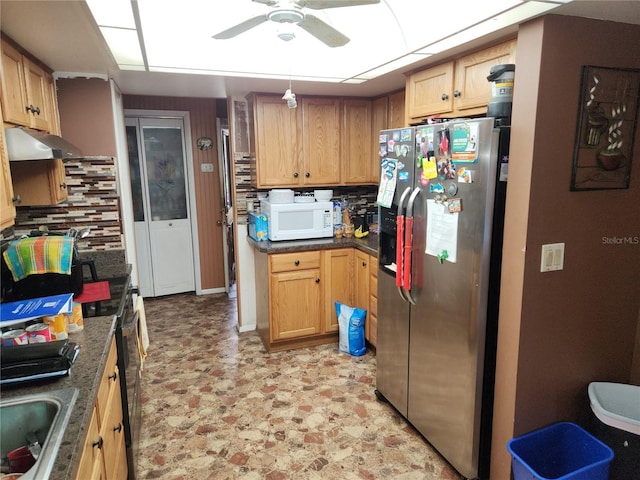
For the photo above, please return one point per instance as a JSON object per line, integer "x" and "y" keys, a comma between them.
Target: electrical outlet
{"x": 206, "y": 167}
{"x": 552, "y": 257}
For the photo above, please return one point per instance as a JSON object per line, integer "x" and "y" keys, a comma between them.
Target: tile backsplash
{"x": 92, "y": 202}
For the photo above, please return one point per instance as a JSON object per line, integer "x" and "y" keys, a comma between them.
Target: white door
{"x": 161, "y": 205}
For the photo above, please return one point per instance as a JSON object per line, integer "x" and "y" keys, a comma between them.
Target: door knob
{"x": 219, "y": 222}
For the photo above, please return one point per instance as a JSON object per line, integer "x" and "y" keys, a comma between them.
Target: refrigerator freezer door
{"x": 393, "y": 343}
{"x": 446, "y": 346}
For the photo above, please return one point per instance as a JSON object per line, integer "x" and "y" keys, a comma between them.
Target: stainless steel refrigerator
{"x": 441, "y": 206}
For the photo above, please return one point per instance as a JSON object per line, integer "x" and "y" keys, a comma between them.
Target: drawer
{"x": 373, "y": 262}
{"x": 109, "y": 379}
{"x": 373, "y": 330}
{"x": 286, "y": 262}
{"x": 373, "y": 305}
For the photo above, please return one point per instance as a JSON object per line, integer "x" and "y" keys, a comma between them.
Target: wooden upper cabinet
{"x": 396, "y": 117}
{"x": 28, "y": 92}
{"x": 430, "y": 91}
{"x": 457, "y": 88}
{"x": 320, "y": 141}
{"x": 14, "y": 87}
{"x": 472, "y": 90}
{"x": 7, "y": 206}
{"x": 357, "y": 166}
{"x": 277, "y": 144}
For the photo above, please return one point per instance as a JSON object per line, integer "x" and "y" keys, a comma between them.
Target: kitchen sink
{"x": 43, "y": 415}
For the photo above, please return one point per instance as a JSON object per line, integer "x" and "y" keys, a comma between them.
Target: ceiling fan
{"x": 292, "y": 12}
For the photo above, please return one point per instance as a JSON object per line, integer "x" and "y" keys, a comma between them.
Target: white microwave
{"x": 297, "y": 221}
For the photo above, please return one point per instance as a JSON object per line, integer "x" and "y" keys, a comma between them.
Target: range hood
{"x": 28, "y": 144}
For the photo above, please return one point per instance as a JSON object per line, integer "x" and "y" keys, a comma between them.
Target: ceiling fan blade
{"x": 322, "y": 31}
{"x": 271, "y": 3}
{"x": 241, "y": 27}
{"x": 322, "y": 4}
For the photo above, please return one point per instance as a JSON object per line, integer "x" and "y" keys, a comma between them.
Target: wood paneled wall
{"x": 202, "y": 114}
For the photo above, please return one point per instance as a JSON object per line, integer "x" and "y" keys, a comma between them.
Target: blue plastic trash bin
{"x": 562, "y": 451}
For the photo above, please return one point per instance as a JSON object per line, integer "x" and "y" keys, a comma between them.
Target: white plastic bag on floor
{"x": 351, "y": 323}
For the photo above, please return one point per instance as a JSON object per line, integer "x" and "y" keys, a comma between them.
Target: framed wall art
{"x": 607, "y": 118}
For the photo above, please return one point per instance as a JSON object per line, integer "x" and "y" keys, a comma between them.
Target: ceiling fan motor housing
{"x": 286, "y": 15}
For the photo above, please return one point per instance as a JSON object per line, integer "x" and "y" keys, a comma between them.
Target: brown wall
{"x": 86, "y": 115}
{"x": 561, "y": 330}
{"x": 202, "y": 114}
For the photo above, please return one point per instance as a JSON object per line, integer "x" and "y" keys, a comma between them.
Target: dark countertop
{"x": 368, "y": 244}
{"x": 85, "y": 375}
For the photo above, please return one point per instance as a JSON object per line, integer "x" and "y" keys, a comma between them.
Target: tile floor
{"x": 217, "y": 406}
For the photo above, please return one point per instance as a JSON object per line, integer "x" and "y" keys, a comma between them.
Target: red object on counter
{"x": 94, "y": 292}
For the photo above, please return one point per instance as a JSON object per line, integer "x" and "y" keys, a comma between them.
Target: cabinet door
{"x": 356, "y": 142}
{"x": 396, "y": 118}
{"x": 430, "y": 91}
{"x": 14, "y": 91}
{"x": 91, "y": 462}
{"x": 339, "y": 284}
{"x": 379, "y": 121}
{"x": 296, "y": 308}
{"x": 112, "y": 432}
{"x": 472, "y": 89}
{"x": 7, "y": 207}
{"x": 362, "y": 285}
{"x": 277, "y": 147}
{"x": 37, "y": 95}
{"x": 321, "y": 141}
{"x": 372, "y": 316}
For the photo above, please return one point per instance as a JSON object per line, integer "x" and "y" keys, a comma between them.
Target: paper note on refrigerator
{"x": 388, "y": 180}
{"x": 442, "y": 232}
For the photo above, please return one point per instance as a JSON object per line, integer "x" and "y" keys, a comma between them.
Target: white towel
{"x": 143, "y": 334}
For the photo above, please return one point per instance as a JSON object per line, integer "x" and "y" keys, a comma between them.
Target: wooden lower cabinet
{"x": 371, "y": 330}
{"x": 104, "y": 454}
{"x": 296, "y": 307}
{"x": 7, "y": 206}
{"x": 366, "y": 296}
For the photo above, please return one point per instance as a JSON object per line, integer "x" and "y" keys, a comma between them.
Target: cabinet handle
{"x": 457, "y": 93}
{"x": 317, "y": 280}
{"x": 307, "y": 174}
{"x": 113, "y": 376}
{"x": 296, "y": 263}
{"x": 35, "y": 110}
{"x": 444, "y": 97}
{"x": 118, "y": 428}
{"x": 98, "y": 443}
{"x": 17, "y": 199}
{"x": 63, "y": 186}
{"x": 364, "y": 264}
{"x": 29, "y": 108}
{"x": 295, "y": 174}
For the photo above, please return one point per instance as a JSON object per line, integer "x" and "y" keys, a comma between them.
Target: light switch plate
{"x": 206, "y": 167}
{"x": 552, "y": 257}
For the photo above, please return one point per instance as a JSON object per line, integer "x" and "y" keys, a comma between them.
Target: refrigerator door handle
{"x": 408, "y": 246}
{"x": 400, "y": 224}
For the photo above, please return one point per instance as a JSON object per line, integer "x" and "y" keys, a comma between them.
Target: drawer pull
{"x": 307, "y": 174}
{"x": 295, "y": 174}
{"x": 296, "y": 263}
{"x": 113, "y": 376}
{"x": 17, "y": 199}
{"x": 118, "y": 428}
{"x": 317, "y": 280}
{"x": 98, "y": 444}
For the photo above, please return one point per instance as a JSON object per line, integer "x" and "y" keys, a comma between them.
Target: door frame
{"x": 193, "y": 212}
{"x": 224, "y": 169}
